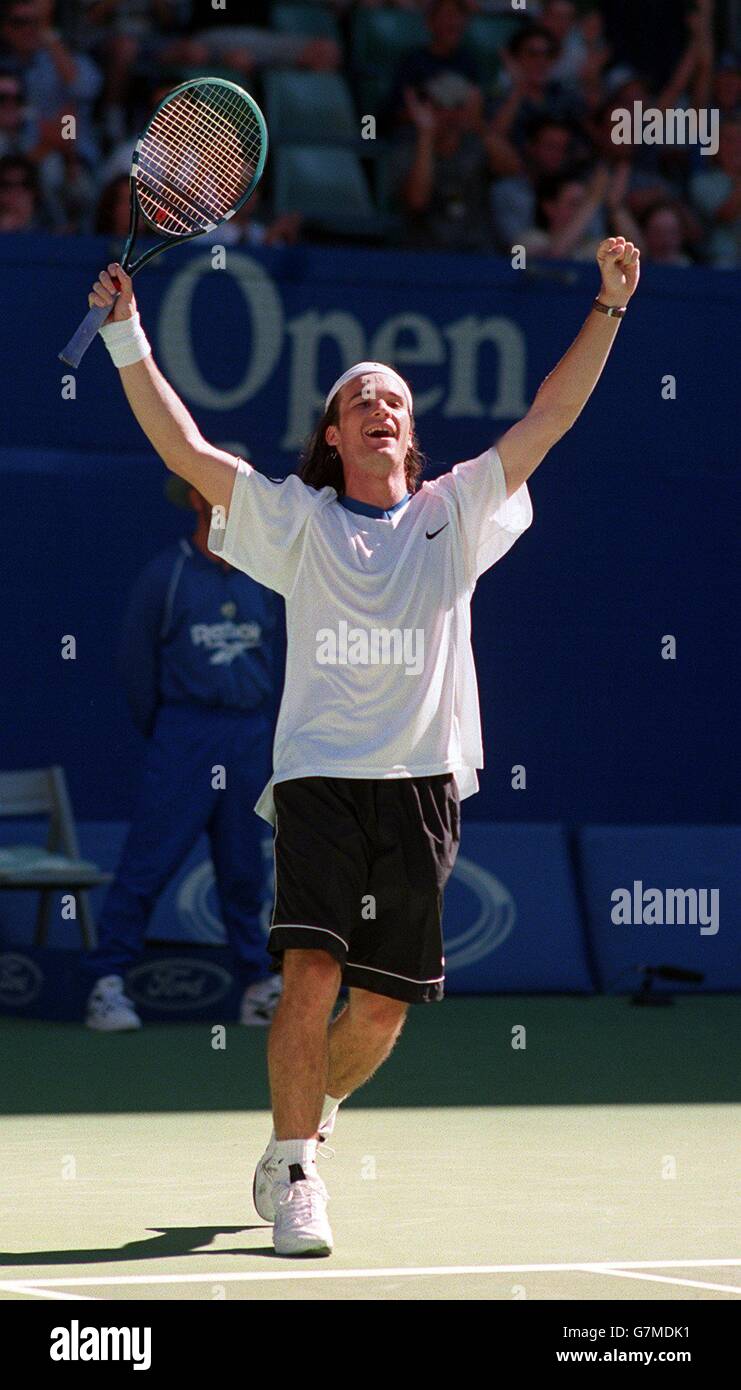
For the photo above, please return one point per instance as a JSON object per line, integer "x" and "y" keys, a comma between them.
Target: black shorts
{"x": 360, "y": 868}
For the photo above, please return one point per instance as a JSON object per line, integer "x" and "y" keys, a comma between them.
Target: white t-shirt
{"x": 380, "y": 678}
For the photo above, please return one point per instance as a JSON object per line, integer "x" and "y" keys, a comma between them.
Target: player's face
{"x": 374, "y": 423}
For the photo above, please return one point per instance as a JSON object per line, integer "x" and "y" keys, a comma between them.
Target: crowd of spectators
{"x": 473, "y": 160}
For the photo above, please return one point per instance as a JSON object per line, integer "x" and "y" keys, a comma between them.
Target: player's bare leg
{"x": 298, "y": 1045}
{"x": 287, "y": 1189}
{"x": 306, "y": 1061}
{"x": 361, "y": 1038}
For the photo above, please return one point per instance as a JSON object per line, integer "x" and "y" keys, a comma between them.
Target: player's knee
{"x": 378, "y": 1012}
{"x": 311, "y": 979}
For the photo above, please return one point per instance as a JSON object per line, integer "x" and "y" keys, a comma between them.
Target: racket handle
{"x": 80, "y": 341}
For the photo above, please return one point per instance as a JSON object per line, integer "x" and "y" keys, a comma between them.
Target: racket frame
{"x": 78, "y": 344}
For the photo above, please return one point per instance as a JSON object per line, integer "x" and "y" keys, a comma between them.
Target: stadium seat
{"x": 313, "y": 107}
{"x": 327, "y": 188}
{"x": 310, "y": 20}
{"x": 382, "y": 182}
{"x": 379, "y": 39}
{"x": 310, "y": 180}
{"x": 485, "y": 37}
{"x": 57, "y": 868}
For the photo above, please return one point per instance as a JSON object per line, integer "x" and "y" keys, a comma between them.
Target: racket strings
{"x": 204, "y": 137}
{"x": 197, "y": 158}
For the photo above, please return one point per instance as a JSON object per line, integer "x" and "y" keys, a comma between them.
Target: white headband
{"x": 370, "y": 369}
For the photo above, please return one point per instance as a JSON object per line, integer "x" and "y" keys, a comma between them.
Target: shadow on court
{"x": 170, "y": 1242}
{"x": 579, "y": 1051}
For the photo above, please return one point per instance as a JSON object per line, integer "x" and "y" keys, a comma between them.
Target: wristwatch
{"x": 610, "y": 309}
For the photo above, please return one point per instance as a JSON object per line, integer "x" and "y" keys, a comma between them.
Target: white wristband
{"x": 126, "y": 341}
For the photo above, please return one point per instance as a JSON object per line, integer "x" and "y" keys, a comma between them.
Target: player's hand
{"x": 620, "y": 263}
{"x": 110, "y": 282}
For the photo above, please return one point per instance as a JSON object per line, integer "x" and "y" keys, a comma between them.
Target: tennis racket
{"x": 198, "y": 161}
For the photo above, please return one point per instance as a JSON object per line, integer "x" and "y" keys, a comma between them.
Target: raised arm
{"x": 416, "y": 190}
{"x": 565, "y": 392}
{"x": 169, "y": 427}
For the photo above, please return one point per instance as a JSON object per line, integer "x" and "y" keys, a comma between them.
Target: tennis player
{"x": 378, "y": 737}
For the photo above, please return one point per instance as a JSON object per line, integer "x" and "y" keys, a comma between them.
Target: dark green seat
{"x": 309, "y": 107}
{"x": 311, "y": 20}
{"x": 315, "y": 180}
{"x": 380, "y": 38}
{"x": 328, "y": 187}
{"x": 485, "y": 37}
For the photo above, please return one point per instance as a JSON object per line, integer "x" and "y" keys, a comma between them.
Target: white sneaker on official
{"x": 268, "y": 1170}
{"x": 301, "y": 1226}
{"x": 108, "y": 1008}
{"x": 260, "y": 1001}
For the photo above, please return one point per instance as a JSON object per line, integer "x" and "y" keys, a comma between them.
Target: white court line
{"x": 419, "y": 1272}
{"x": 661, "y": 1279}
{"x": 45, "y": 1293}
{"x": 664, "y": 1264}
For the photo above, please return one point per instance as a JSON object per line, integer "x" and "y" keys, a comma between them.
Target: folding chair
{"x": 58, "y": 867}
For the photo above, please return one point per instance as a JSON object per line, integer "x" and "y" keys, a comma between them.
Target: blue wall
{"x": 636, "y": 511}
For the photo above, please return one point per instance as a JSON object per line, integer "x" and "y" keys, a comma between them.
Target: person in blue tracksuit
{"x": 197, "y": 660}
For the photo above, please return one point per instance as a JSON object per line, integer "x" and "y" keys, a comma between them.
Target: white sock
{"x": 301, "y": 1151}
{"x": 331, "y": 1103}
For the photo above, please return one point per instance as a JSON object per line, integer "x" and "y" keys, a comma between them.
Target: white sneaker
{"x": 260, "y": 1001}
{"x": 268, "y": 1170}
{"x": 301, "y": 1226}
{"x": 108, "y": 1009}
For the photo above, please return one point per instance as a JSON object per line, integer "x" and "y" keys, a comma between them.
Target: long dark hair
{"x": 321, "y": 465}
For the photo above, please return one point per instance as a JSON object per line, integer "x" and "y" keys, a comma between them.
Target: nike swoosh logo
{"x": 431, "y": 534}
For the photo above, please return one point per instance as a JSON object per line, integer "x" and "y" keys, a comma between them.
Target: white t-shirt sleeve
{"x": 266, "y": 527}
{"x": 489, "y": 521}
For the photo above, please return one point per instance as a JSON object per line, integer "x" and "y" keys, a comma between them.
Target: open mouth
{"x": 380, "y": 432}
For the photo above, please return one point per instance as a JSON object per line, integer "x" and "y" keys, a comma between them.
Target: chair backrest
{"x": 309, "y": 107}
{"x": 37, "y": 792}
{"x": 315, "y": 181}
{"x": 379, "y": 40}
{"x": 485, "y": 37}
{"x": 382, "y": 37}
{"x": 306, "y": 19}
{"x": 26, "y": 793}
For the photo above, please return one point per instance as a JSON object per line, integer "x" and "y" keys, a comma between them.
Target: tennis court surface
{"x": 600, "y": 1162}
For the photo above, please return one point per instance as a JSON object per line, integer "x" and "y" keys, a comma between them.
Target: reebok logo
{"x": 76, "y": 1343}
{"x": 226, "y": 641}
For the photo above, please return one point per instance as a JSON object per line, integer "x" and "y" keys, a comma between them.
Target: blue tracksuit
{"x": 197, "y": 661}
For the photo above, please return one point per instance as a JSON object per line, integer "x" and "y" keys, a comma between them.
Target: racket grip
{"x": 80, "y": 341}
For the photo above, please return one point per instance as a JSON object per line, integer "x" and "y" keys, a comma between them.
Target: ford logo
{"x": 20, "y": 979}
{"x": 178, "y": 983}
